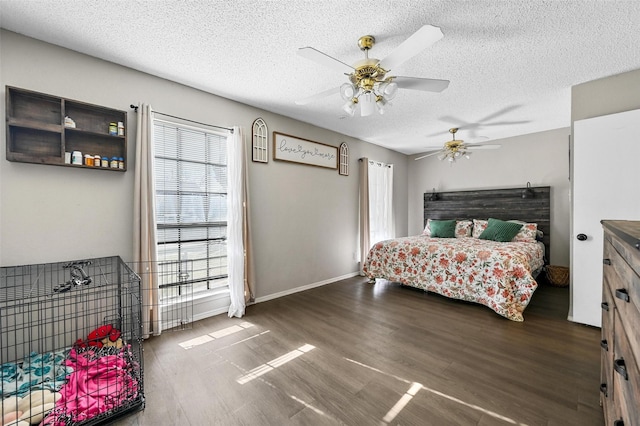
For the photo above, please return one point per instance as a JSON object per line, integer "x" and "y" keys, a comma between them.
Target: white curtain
{"x": 380, "y": 202}
{"x": 145, "y": 256}
{"x": 235, "y": 210}
{"x": 364, "y": 211}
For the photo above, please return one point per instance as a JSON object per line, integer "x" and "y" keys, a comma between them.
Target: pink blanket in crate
{"x": 99, "y": 383}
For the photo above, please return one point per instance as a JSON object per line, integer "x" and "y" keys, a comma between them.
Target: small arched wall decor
{"x": 343, "y": 169}
{"x": 260, "y": 142}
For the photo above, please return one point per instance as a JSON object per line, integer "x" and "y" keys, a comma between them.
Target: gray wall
{"x": 608, "y": 95}
{"x": 540, "y": 158}
{"x": 304, "y": 219}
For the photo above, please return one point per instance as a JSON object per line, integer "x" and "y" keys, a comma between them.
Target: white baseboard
{"x": 304, "y": 287}
{"x": 210, "y": 305}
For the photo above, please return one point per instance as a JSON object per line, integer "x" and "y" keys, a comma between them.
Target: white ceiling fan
{"x": 456, "y": 148}
{"x": 369, "y": 86}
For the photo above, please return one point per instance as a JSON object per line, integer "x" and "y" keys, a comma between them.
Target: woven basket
{"x": 557, "y": 275}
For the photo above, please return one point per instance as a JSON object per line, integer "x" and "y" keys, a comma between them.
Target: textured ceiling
{"x": 511, "y": 63}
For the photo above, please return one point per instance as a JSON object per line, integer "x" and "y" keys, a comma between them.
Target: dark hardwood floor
{"x": 352, "y": 353}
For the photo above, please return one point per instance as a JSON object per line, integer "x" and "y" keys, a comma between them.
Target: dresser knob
{"x": 604, "y": 345}
{"x": 605, "y": 306}
{"x": 581, "y": 237}
{"x": 618, "y": 423}
{"x": 606, "y": 261}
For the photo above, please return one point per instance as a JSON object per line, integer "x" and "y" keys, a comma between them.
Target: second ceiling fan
{"x": 369, "y": 85}
{"x": 456, "y": 148}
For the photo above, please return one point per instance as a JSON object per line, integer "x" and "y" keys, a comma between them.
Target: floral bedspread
{"x": 497, "y": 275}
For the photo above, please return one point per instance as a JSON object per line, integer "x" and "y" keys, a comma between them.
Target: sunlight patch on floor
{"x": 273, "y": 364}
{"x": 395, "y": 410}
{"x": 243, "y": 340}
{"x": 404, "y": 400}
{"x": 309, "y": 406}
{"x": 210, "y": 337}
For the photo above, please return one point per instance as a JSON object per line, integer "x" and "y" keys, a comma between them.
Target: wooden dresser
{"x": 620, "y": 374}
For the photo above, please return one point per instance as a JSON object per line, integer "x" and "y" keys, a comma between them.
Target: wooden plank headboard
{"x": 503, "y": 204}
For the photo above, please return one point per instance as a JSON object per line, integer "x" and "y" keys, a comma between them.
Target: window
{"x": 191, "y": 206}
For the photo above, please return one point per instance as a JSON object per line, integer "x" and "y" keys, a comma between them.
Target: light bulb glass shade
{"x": 451, "y": 159}
{"x": 347, "y": 91}
{"x": 442, "y": 156}
{"x": 350, "y": 108}
{"x": 382, "y": 105}
{"x": 367, "y": 102}
{"x": 390, "y": 91}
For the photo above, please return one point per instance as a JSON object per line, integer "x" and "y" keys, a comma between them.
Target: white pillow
{"x": 526, "y": 234}
{"x": 463, "y": 228}
{"x": 478, "y": 227}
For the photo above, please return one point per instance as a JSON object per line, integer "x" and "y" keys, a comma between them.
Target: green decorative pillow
{"x": 499, "y": 230}
{"x": 443, "y": 228}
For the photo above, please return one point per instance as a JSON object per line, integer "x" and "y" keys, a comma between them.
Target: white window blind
{"x": 191, "y": 203}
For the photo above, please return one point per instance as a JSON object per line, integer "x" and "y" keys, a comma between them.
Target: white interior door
{"x": 606, "y": 152}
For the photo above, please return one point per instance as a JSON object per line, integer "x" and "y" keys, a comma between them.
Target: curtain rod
{"x": 135, "y": 108}
{"x": 379, "y": 163}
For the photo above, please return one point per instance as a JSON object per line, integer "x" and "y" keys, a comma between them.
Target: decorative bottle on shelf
{"x": 76, "y": 157}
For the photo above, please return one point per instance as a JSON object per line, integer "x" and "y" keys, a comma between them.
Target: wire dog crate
{"x": 70, "y": 342}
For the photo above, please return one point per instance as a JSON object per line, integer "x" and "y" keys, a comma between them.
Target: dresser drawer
{"x": 624, "y": 284}
{"x": 626, "y": 377}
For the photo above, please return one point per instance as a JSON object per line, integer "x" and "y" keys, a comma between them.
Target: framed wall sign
{"x": 303, "y": 151}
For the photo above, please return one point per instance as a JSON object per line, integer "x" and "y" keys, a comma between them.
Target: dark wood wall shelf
{"x": 36, "y": 131}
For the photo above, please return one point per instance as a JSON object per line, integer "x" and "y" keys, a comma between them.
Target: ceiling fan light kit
{"x": 369, "y": 87}
{"x": 455, "y": 149}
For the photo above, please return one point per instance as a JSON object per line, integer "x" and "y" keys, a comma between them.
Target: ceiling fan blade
{"x": 420, "y": 40}
{"x": 425, "y": 84}
{"x": 479, "y": 147}
{"x": 324, "y": 59}
{"x": 427, "y": 155}
{"x": 317, "y": 96}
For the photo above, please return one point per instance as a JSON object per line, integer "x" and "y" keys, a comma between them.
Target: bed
{"x": 497, "y": 274}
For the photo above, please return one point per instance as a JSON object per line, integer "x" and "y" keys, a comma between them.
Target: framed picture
{"x": 297, "y": 150}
